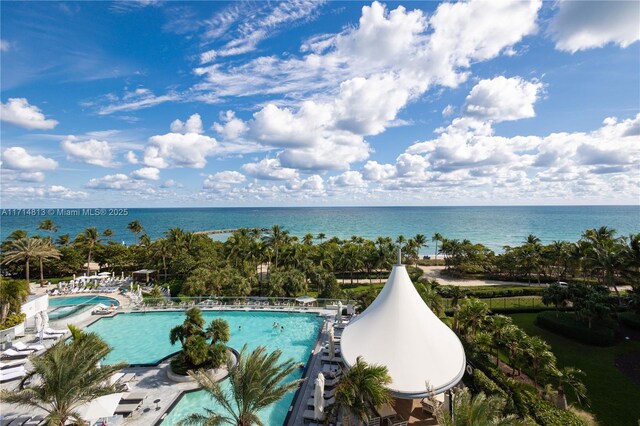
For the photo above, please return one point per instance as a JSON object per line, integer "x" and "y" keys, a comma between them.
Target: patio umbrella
{"x": 339, "y": 313}
{"x": 104, "y": 274}
{"x": 101, "y": 407}
{"x": 45, "y": 319}
{"x": 332, "y": 349}
{"x": 318, "y": 400}
{"x": 39, "y": 327}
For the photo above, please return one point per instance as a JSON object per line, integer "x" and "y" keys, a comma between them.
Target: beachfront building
{"x": 424, "y": 357}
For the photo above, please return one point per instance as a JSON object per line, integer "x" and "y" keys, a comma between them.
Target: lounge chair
{"x": 4, "y": 365}
{"x": 14, "y": 354}
{"x": 310, "y": 415}
{"x": 327, "y": 402}
{"x": 335, "y": 360}
{"x": 132, "y": 397}
{"x": 35, "y": 421}
{"x": 126, "y": 409}
{"x": 12, "y": 374}
{"x": 19, "y": 421}
{"x": 20, "y": 346}
{"x": 50, "y": 330}
{"x": 126, "y": 378}
{"x": 374, "y": 421}
{"x": 48, "y": 336}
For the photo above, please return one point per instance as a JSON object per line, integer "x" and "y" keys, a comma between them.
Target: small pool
{"x": 71, "y": 305}
{"x": 143, "y": 338}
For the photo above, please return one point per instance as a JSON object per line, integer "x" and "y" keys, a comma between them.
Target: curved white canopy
{"x": 398, "y": 330}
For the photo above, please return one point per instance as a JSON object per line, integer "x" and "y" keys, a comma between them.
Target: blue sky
{"x": 149, "y": 103}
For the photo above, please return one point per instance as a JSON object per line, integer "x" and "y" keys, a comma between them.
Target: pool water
{"x": 70, "y": 305}
{"x": 143, "y": 338}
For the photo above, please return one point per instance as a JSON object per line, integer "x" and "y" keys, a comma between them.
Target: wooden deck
{"x": 411, "y": 410}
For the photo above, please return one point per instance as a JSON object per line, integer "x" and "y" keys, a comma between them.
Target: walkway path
{"x": 434, "y": 272}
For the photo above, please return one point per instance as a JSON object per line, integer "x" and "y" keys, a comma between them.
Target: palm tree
{"x": 108, "y": 233}
{"x": 540, "y": 357}
{"x": 46, "y": 251}
{"x": 436, "y": 238}
{"x": 135, "y": 227}
{"x": 89, "y": 240}
{"x": 13, "y": 293}
{"x": 193, "y": 324}
{"x": 420, "y": 241}
{"x": 276, "y": 238}
{"x": 307, "y": 240}
{"x": 471, "y": 315}
{"x": 63, "y": 240}
{"x": 256, "y": 382}
{"x": 67, "y": 377}
{"x": 362, "y": 387}
{"x": 218, "y": 331}
{"x": 23, "y": 249}
{"x": 479, "y": 410}
{"x": 570, "y": 377}
{"x": 497, "y": 327}
{"x": 48, "y": 225}
{"x": 321, "y": 237}
{"x": 431, "y": 297}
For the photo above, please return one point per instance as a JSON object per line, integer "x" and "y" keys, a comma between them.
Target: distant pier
{"x": 229, "y": 231}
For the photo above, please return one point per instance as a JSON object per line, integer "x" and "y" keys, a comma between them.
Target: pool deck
{"x": 154, "y": 383}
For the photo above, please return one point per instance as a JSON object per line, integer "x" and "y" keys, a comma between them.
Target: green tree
{"x": 321, "y": 237}
{"x": 276, "y": 239}
{"x": 471, "y": 315}
{"x": 257, "y": 381}
{"x": 436, "y": 238}
{"x": 65, "y": 377}
{"x": 431, "y": 297}
{"x": 478, "y": 410}
{"x": 362, "y": 387}
{"x": 556, "y": 296}
{"x": 497, "y": 326}
{"x": 23, "y": 250}
{"x": 89, "y": 240}
{"x": 47, "y": 251}
{"x": 48, "y": 225}
{"x": 13, "y": 293}
{"x": 218, "y": 331}
{"x": 135, "y": 227}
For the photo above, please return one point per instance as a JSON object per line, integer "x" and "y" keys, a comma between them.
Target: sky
{"x": 310, "y": 103}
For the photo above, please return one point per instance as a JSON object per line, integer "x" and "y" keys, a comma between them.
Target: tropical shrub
{"x": 12, "y": 320}
{"x": 566, "y": 325}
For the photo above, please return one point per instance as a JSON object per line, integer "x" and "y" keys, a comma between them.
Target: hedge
{"x": 566, "y": 325}
{"x": 484, "y": 384}
{"x": 630, "y": 319}
{"x": 12, "y": 320}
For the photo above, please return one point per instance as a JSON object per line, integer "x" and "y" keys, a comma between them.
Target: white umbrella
{"x": 131, "y": 287}
{"x": 332, "y": 349}
{"x": 318, "y": 400}
{"x": 45, "y": 319}
{"x": 104, "y": 274}
{"x": 39, "y": 327}
{"x": 122, "y": 275}
{"x": 339, "y": 313}
{"x": 101, "y": 407}
{"x": 74, "y": 277}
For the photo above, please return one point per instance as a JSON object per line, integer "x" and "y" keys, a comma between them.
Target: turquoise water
{"x": 71, "y": 305}
{"x": 492, "y": 226}
{"x": 139, "y": 338}
{"x": 81, "y": 300}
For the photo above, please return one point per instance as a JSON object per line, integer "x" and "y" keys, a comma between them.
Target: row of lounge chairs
{"x": 23, "y": 420}
{"x": 13, "y": 360}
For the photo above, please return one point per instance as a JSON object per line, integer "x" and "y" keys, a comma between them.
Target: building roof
{"x": 398, "y": 330}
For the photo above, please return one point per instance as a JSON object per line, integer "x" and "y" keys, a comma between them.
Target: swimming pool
{"x": 143, "y": 338}
{"x": 71, "y": 305}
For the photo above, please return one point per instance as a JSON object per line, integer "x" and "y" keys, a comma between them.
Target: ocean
{"x": 493, "y": 226}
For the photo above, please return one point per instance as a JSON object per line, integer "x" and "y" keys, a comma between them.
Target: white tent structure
{"x": 100, "y": 407}
{"x": 399, "y": 331}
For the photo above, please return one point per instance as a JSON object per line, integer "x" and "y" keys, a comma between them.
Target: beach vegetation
{"x": 65, "y": 377}
{"x": 256, "y": 381}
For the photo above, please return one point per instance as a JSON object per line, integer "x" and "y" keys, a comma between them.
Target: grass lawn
{"x": 615, "y": 400}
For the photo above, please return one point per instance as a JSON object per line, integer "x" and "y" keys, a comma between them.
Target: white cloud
{"x": 502, "y": 99}
{"x": 138, "y": 99}
{"x": 223, "y": 180}
{"x": 269, "y": 169}
{"x": 170, "y": 183}
{"x": 207, "y": 56}
{"x": 18, "y": 111}
{"x": 358, "y": 81}
{"x": 92, "y": 151}
{"x": 348, "y": 179}
{"x": 5, "y": 45}
{"x": 231, "y": 127}
{"x": 374, "y": 171}
{"x": 179, "y": 150}
{"x": 448, "y": 111}
{"x": 9, "y": 175}
{"x": 581, "y": 25}
{"x": 17, "y": 158}
{"x": 146, "y": 173}
{"x": 52, "y": 192}
{"x": 131, "y": 157}
{"x": 193, "y": 125}
{"x": 118, "y": 182}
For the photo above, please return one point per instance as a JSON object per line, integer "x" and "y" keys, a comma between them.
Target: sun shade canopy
{"x": 399, "y": 331}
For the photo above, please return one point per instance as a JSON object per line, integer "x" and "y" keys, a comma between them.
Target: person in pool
{"x": 276, "y": 325}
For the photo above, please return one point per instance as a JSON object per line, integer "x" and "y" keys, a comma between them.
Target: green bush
{"x": 630, "y": 319}
{"x": 566, "y": 325}
{"x": 12, "y": 320}
{"x": 218, "y": 355}
{"x": 486, "y": 385}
